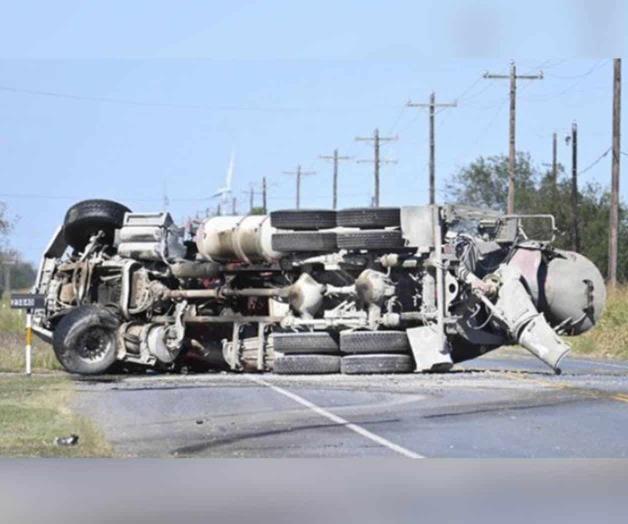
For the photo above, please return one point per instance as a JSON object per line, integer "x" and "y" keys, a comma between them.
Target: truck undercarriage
{"x": 366, "y": 290}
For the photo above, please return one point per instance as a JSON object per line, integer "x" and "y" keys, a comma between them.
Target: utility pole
{"x": 554, "y": 182}
{"x": 234, "y": 206}
{"x": 377, "y": 161}
{"x": 336, "y": 158}
{"x": 432, "y": 105}
{"x": 575, "y": 233}
{"x": 512, "y": 152}
{"x": 165, "y": 199}
{"x": 613, "y": 244}
{"x": 251, "y": 192}
{"x": 553, "y": 174}
{"x": 299, "y": 173}
{"x": 554, "y": 164}
{"x": 264, "y": 196}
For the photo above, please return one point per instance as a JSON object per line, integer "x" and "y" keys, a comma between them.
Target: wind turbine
{"x": 225, "y": 192}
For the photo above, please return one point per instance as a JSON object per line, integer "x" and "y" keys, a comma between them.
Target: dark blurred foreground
{"x": 300, "y": 491}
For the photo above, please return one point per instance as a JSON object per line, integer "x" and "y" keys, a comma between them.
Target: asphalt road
{"x": 490, "y": 407}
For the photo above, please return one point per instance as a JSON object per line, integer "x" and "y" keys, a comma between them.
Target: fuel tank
{"x": 236, "y": 238}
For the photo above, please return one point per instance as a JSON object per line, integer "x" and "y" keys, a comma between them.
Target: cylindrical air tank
{"x": 236, "y": 238}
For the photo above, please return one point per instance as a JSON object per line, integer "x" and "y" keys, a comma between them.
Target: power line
{"x": 69, "y": 197}
{"x": 397, "y": 120}
{"x": 570, "y": 87}
{"x": 595, "y": 162}
{"x": 588, "y": 72}
{"x": 170, "y": 105}
{"x": 463, "y": 95}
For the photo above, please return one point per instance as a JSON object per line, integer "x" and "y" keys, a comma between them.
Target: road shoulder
{"x": 35, "y": 410}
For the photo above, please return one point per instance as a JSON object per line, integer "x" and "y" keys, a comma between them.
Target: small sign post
{"x": 28, "y": 302}
{"x": 29, "y": 341}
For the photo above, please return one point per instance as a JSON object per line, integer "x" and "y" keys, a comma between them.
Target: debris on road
{"x": 70, "y": 440}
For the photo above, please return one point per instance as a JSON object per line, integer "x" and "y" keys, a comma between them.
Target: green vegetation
{"x": 12, "y": 337}
{"x": 609, "y": 338}
{"x": 34, "y": 411}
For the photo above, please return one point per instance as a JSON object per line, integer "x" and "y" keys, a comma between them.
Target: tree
{"x": 5, "y": 223}
{"x": 20, "y": 274}
{"x": 484, "y": 183}
{"x": 257, "y": 211}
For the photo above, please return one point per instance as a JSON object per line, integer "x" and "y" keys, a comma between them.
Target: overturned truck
{"x": 363, "y": 290}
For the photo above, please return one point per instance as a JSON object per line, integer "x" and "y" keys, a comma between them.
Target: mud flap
{"x": 430, "y": 349}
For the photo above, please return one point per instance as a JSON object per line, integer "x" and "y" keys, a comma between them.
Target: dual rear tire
{"x": 306, "y": 353}
{"x": 315, "y": 219}
{"x": 357, "y": 353}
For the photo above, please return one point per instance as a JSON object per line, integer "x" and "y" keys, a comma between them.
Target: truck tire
{"x": 359, "y": 342}
{"x": 306, "y": 364}
{"x": 85, "y": 340}
{"x": 376, "y": 364}
{"x": 304, "y": 242}
{"x": 375, "y": 239}
{"x": 303, "y": 219}
{"x": 88, "y": 217}
{"x": 319, "y": 342}
{"x": 369, "y": 217}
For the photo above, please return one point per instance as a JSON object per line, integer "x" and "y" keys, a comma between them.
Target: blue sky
{"x": 128, "y": 100}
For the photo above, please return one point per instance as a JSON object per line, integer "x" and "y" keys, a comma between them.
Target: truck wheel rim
{"x": 94, "y": 344}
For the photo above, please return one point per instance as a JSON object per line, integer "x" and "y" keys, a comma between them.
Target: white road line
{"x": 339, "y": 420}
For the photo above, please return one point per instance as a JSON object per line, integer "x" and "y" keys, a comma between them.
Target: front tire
{"x": 85, "y": 340}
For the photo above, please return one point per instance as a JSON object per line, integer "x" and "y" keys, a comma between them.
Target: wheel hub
{"x": 93, "y": 344}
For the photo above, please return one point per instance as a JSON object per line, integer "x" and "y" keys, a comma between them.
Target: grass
{"x": 12, "y": 337}
{"x": 34, "y": 411}
{"x": 609, "y": 339}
